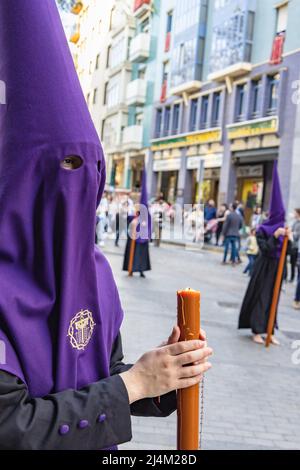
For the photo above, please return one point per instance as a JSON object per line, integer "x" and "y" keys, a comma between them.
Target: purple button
{"x": 102, "y": 418}
{"x": 64, "y": 429}
{"x": 83, "y": 424}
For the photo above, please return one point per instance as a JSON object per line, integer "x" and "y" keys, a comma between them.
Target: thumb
{"x": 174, "y": 336}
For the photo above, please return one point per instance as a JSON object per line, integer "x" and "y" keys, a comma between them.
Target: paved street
{"x": 252, "y": 395}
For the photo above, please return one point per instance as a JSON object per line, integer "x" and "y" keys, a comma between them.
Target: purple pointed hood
{"x": 59, "y": 306}
{"x": 276, "y": 218}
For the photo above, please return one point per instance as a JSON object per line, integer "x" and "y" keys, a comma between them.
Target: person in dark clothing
{"x": 256, "y": 305}
{"x": 221, "y": 217}
{"x": 139, "y": 233}
{"x": 230, "y": 232}
{"x": 141, "y": 257}
{"x": 210, "y": 211}
{"x": 294, "y": 245}
{"x": 63, "y": 383}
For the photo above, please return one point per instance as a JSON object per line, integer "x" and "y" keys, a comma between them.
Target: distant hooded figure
{"x": 63, "y": 384}
{"x": 258, "y": 298}
{"x": 136, "y": 257}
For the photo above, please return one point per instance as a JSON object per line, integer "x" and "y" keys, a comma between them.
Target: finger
{"x": 174, "y": 336}
{"x": 202, "y": 335}
{"x": 184, "y": 383}
{"x": 184, "y": 346}
{"x": 194, "y": 356}
{"x": 192, "y": 371}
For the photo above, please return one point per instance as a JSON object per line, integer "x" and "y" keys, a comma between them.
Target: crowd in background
{"x": 224, "y": 227}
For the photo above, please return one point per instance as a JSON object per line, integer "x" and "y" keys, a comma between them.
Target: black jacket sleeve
{"x": 268, "y": 245}
{"x": 159, "y": 407}
{"x": 93, "y": 418}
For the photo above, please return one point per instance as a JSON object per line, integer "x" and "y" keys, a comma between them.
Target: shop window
{"x": 158, "y": 122}
{"x": 216, "y": 109}
{"x": 240, "y": 102}
{"x": 204, "y": 112}
{"x": 193, "y": 114}
{"x": 256, "y": 98}
{"x": 176, "y": 116}
{"x": 167, "y": 116}
{"x": 273, "y": 88}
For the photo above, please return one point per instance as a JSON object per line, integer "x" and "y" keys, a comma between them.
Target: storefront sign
{"x": 250, "y": 171}
{"x": 172, "y": 164}
{"x": 203, "y": 137}
{"x": 253, "y": 128}
{"x": 210, "y": 161}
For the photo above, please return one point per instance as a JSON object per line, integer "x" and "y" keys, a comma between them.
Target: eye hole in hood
{"x": 71, "y": 162}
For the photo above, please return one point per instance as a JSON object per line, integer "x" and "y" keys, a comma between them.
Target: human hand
{"x": 167, "y": 368}
{"x": 280, "y": 232}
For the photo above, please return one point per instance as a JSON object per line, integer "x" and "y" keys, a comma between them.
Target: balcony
{"x": 136, "y": 92}
{"x": 141, "y": 7}
{"x": 133, "y": 138}
{"x": 76, "y": 8}
{"x": 186, "y": 88}
{"x": 234, "y": 71}
{"x": 140, "y": 48}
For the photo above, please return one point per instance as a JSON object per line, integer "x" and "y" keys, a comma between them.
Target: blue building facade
{"x": 230, "y": 105}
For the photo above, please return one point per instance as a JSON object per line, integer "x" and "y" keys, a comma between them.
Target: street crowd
{"x": 224, "y": 226}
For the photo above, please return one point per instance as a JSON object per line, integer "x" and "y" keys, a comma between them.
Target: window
{"x": 112, "y": 89}
{"x": 118, "y": 51}
{"x": 176, "y": 114}
{"x": 282, "y": 17}
{"x": 256, "y": 97}
{"x": 204, "y": 112}
{"x": 88, "y": 99}
{"x": 216, "y": 109}
{"x": 240, "y": 102}
{"x": 108, "y": 57}
{"x": 97, "y": 61}
{"x": 193, "y": 114}
{"x": 169, "y": 21}
{"x": 158, "y": 122}
{"x": 273, "y": 86}
{"x": 95, "y": 94}
{"x": 105, "y": 93}
{"x": 167, "y": 120}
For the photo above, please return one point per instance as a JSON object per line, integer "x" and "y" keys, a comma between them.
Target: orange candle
{"x": 188, "y": 305}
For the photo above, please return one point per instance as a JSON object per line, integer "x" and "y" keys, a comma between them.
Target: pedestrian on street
{"x": 230, "y": 232}
{"x": 221, "y": 217}
{"x": 295, "y": 244}
{"x": 252, "y": 251}
{"x": 63, "y": 382}
{"x": 296, "y": 303}
{"x": 139, "y": 236}
{"x": 210, "y": 211}
{"x": 256, "y": 305}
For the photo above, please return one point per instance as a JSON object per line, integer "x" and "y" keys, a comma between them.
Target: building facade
{"x": 231, "y": 107}
{"x": 204, "y": 93}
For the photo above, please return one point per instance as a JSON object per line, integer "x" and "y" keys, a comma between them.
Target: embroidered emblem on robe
{"x": 81, "y": 329}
